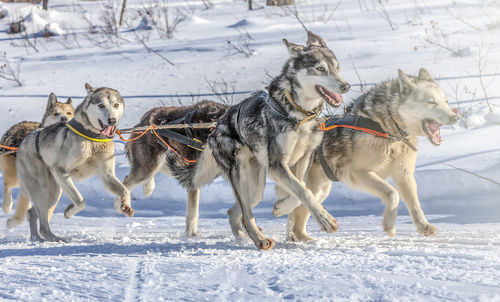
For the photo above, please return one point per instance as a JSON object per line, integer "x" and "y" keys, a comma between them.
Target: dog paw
{"x": 12, "y": 222}
{"x": 192, "y": 233}
{"x": 299, "y": 237}
{"x": 265, "y": 244}
{"x": 428, "y": 230}
{"x": 69, "y": 211}
{"x": 283, "y": 207}
{"x": 326, "y": 221}
{"x": 127, "y": 210}
{"x": 391, "y": 231}
{"x": 6, "y": 207}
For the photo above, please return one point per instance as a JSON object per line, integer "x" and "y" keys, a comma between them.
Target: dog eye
{"x": 116, "y": 105}
{"x": 431, "y": 102}
{"x": 320, "y": 68}
{"x": 56, "y": 114}
{"x": 101, "y": 106}
{"x": 69, "y": 113}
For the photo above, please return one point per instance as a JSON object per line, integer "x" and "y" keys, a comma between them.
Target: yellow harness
{"x": 87, "y": 137}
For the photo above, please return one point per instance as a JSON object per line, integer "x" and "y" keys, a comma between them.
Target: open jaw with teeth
{"x": 108, "y": 131}
{"x": 432, "y": 129}
{"x": 333, "y": 98}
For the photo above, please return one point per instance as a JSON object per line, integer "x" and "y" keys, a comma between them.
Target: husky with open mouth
{"x": 404, "y": 108}
{"x": 276, "y": 130}
{"x": 50, "y": 159}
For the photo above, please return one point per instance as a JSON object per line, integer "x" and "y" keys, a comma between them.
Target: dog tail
{"x": 22, "y": 206}
{"x": 205, "y": 171}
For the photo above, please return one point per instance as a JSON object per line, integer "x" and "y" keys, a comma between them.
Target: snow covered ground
{"x": 148, "y": 257}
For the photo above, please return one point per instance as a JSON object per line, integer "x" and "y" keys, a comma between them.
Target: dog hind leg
{"x": 192, "y": 212}
{"x": 248, "y": 181}
{"x": 373, "y": 184}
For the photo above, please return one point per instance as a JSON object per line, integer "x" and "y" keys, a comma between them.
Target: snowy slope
{"x": 148, "y": 258}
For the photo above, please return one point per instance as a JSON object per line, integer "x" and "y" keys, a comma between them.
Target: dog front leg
{"x": 107, "y": 175}
{"x": 282, "y": 175}
{"x": 407, "y": 188}
{"x": 64, "y": 180}
{"x": 286, "y": 202}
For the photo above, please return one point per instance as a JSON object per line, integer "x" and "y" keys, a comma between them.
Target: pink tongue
{"x": 434, "y": 130}
{"x": 108, "y": 131}
{"x": 336, "y": 96}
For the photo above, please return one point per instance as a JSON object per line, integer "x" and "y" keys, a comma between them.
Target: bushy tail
{"x": 203, "y": 172}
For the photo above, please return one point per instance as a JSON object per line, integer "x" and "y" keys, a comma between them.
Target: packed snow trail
{"x": 149, "y": 259}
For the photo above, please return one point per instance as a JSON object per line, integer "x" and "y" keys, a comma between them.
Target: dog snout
{"x": 111, "y": 121}
{"x": 345, "y": 87}
{"x": 456, "y": 117}
{"x": 64, "y": 119}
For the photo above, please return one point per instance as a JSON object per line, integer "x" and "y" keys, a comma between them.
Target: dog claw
{"x": 266, "y": 244}
{"x": 429, "y": 230}
{"x": 127, "y": 211}
{"x": 326, "y": 222}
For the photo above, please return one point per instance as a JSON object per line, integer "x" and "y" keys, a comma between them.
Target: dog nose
{"x": 111, "y": 121}
{"x": 345, "y": 87}
{"x": 64, "y": 119}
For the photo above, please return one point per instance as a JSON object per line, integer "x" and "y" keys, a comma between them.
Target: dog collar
{"x": 310, "y": 115}
{"x": 78, "y": 128}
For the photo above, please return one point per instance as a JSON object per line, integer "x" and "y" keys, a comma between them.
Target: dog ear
{"x": 294, "y": 49}
{"x": 69, "y": 101}
{"x": 315, "y": 40}
{"x": 89, "y": 88}
{"x": 52, "y": 100}
{"x": 405, "y": 84}
{"x": 424, "y": 75}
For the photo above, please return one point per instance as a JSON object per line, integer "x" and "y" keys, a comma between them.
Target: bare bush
{"x": 324, "y": 16}
{"x": 242, "y": 46}
{"x": 107, "y": 34}
{"x": 8, "y": 71}
{"x": 162, "y": 20}
{"x": 481, "y": 60}
{"x": 222, "y": 90}
{"x": 437, "y": 37}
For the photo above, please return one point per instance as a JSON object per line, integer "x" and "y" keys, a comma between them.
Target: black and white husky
{"x": 405, "y": 107}
{"x": 271, "y": 132}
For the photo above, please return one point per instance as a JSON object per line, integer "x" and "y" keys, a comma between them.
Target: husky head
{"x": 57, "y": 111}
{"x": 315, "y": 72}
{"x": 424, "y": 106}
{"x": 101, "y": 110}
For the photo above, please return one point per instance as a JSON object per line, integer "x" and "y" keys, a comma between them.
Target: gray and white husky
{"x": 51, "y": 158}
{"x": 273, "y": 132}
{"x": 406, "y": 108}
{"x": 55, "y": 112}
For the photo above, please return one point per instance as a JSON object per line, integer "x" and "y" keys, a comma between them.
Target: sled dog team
{"x": 277, "y": 133}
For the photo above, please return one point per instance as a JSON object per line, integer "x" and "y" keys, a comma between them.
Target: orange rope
{"x": 370, "y": 131}
{"x": 191, "y": 161}
{"x": 9, "y": 148}
{"x": 152, "y": 127}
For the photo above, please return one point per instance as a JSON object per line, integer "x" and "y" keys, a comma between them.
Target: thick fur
{"x": 251, "y": 139}
{"x": 364, "y": 162}
{"x": 147, "y": 157}
{"x": 66, "y": 156}
{"x": 55, "y": 112}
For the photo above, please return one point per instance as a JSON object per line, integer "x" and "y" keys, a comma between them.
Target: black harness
{"x": 357, "y": 121}
{"x": 189, "y": 139}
